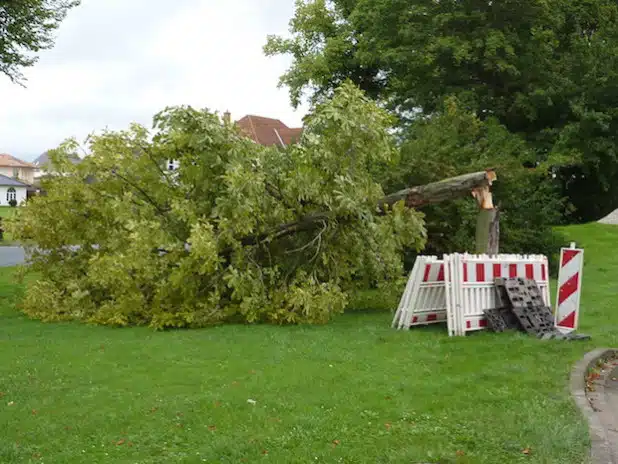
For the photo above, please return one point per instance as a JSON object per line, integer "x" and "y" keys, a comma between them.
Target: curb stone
{"x": 592, "y": 404}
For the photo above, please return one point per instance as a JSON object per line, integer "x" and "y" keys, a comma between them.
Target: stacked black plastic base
{"x": 520, "y": 306}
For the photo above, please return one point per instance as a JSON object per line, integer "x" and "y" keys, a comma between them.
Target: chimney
{"x": 227, "y": 117}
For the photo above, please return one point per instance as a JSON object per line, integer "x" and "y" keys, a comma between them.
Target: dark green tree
{"x": 27, "y": 27}
{"x": 543, "y": 68}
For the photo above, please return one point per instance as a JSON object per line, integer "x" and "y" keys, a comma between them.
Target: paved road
{"x": 11, "y": 255}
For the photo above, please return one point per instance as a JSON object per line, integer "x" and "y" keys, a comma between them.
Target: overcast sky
{"x": 118, "y": 61}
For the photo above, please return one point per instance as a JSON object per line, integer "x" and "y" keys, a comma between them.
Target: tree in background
{"x": 26, "y": 27}
{"x": 454, "y": 141}
{"x": 226, "y": 237}
{"x": 542, "y": 68}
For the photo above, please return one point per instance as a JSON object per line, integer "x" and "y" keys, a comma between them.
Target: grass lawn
{"x": 354, "y": 391}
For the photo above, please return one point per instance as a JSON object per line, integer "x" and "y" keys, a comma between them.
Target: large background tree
{"x": 27, "y": 27}
{"x": 541, "y": 67}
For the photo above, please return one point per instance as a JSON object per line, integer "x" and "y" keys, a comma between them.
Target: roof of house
{"x": 8, "y": 181}
{"x": 12, "y": 162}
{"x": 268, "y": 131}
{"x": 43, "y": 160}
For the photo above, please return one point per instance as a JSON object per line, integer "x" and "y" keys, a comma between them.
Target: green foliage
{"x": 26, "y": 28}
{"x": 546, "y": 69}
{"x": 212, "y": 241}
{"x": 456, "y": 142}
{"x": 13, "y": 203}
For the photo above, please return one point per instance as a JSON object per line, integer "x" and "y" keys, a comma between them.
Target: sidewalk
{"x": 594, "y": 386}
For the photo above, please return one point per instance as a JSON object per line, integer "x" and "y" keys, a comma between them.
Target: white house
{"x": 12, "y": 189}
{"x": 17, "y": 169}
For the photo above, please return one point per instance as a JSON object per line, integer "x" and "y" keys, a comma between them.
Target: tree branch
{"x": 414, "y": 197}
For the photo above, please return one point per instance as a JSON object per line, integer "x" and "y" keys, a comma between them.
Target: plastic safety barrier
{"x": 458, "y": 288}
{"x": 471, "y": 289}
{"x": 424, "y": 300}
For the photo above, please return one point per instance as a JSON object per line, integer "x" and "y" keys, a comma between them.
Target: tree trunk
{"x": 493, "y": 248}
{"x": 488, "y": 231}
{"x": 444, "y": 190}
{"x": 414, "y": 197}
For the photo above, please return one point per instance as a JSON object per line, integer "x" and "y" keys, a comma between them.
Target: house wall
{"x": 24, "y": 174}
{"x": 21, "y": 194}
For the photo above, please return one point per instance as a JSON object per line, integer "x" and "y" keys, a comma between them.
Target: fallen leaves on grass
{"x": 526, "y": 451}
{"x": 336, "y": 443}
{"x": 460, "y": 453}
{"x": 34, "y": 412}
{"x": 388, "y": 426}
{"x": 212, "y": 428}
{"x": 120, "y": 442}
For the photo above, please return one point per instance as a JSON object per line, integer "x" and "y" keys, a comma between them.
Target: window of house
{"x": 11, "y": 194}
{"x": 172, "y": 165}
{"x": 15, "y": 173}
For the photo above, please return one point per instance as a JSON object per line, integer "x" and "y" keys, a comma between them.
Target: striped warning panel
{"x": 569, "y": 288}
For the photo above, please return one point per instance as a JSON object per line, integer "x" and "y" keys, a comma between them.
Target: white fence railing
{"x": 459, "y": 287}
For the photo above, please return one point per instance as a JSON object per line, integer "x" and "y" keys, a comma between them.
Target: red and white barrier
{"x": 470, "y": 287}
{"x": 423, "y": 301}
{"x": 458, "y": 288}
{"x": 569, "y": 288}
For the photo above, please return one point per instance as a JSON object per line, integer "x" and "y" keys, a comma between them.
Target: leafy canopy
{"x": 119, "y": 240}
{"x": 546, "y": 69}
{"x": 27, "y": 27}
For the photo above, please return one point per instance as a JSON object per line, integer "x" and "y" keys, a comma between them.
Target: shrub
{"x": 12, "y": 203}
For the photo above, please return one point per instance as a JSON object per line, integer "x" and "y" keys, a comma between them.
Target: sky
{"x": 121, "y": 61}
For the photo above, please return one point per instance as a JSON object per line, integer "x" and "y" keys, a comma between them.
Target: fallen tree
{"x": 412, "y": 197}
{"x": 249, "y": 233}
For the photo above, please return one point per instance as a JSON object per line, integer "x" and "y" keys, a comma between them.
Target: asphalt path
{"x": 11, "y": 256}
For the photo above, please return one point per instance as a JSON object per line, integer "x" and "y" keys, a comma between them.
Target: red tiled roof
{"x": 268, "y": 131}
{"x": 12, "y": 162}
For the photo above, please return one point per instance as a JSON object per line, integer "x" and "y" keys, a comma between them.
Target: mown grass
{"x": 354, "y": 391}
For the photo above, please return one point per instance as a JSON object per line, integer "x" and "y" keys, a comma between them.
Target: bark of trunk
{"x": 444, "y": 190}
{"x": 488, "y": 231}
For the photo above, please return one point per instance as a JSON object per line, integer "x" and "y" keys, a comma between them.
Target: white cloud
{"x": 117, "y": 61}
